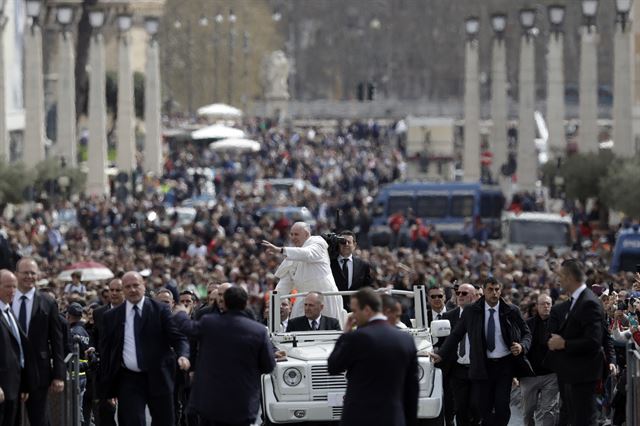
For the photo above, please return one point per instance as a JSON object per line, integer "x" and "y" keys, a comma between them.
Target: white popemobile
{"x": 300, "y": 388}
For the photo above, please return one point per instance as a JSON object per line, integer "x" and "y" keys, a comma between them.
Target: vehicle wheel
{"x": 437, "y": 421}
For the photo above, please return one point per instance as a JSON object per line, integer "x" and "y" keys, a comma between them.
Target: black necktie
{"x": 22, "y": 318}
{"x": 345, "y": 271}
{"x": 491, "y": 332}
{"x": 15, "y": 333}
{"x": 438, "y": 316}
{"x": 314, "y": 325}
{"x": 571, "y": 303}
{"x": 137, "y": 329}
{"x": 462, "y": 350}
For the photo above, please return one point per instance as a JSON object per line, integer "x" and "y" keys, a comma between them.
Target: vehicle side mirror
{"x": 440, "y": 328}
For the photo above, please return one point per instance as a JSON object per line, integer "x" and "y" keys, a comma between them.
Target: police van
{"x": 626, "y": 253}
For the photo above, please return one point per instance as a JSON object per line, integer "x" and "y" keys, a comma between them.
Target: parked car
{"x": 300, "y": 389}
{"x": 285, "y": 185}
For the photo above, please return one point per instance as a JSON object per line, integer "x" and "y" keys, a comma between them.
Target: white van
{"x": 535, "y": 232}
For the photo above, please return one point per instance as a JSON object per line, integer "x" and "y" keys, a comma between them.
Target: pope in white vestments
{"x": 306, "y": 268}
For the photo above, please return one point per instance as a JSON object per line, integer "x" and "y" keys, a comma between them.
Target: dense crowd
{"x": 220, "y": 242}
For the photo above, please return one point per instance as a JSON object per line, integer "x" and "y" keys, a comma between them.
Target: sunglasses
{"x": 436, "y": 296}
{"x": 461, "y": 293}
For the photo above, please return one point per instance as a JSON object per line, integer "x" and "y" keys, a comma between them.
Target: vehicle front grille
{"x": 322, "y": 380}
{"x": 336, "y": 413}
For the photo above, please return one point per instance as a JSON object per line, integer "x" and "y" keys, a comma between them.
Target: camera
{"x": 334, "y": 240}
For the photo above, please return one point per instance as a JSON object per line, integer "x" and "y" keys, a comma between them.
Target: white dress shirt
{"x": 378, "y": 317}
{"x": 501, "y": 350}
{"x": 317, "y": 320}
{"x": 17, "y": 302}
{"x": 434, "y": 314}
{"x": 464, "y": 360}
{"x": 129, "y": 354}
{"x": 578, "y": 291}
{"x": 284, "y": 324}
{"x": 14, "y": 327}
{"x": 349, "y": 268}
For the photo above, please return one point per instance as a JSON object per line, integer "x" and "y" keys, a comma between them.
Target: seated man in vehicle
{"x": 312, "y": 320}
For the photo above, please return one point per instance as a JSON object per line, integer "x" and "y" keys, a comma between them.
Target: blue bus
{"x": 626, "y": 253}
{"x": 455, "y": 209}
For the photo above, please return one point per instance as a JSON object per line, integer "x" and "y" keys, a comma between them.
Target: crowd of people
{"x": 184, "y": 262}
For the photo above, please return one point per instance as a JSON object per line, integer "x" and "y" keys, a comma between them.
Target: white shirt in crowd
{"x": 17, "y": 302}
{"x": 349, "y": 268}
{"x": 501, "y": 350}
{"x": 129, "y": 354}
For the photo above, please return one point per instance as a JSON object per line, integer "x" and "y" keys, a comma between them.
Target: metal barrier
{"x": 633, "y": 384}
{"x": 72, "y": 409}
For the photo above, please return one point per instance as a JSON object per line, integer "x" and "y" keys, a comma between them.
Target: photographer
{"x": 349, "y": 271}
{"x": 306, "y": 268}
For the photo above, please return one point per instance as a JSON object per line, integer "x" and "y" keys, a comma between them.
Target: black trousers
{"x": 466, "y": 412}
{"x": 37, "y": 407}
{"x": 8, "y": 412}
{"x": 134, "y": 394}
{"x": 493, "y": 396}
{"x": 580, "y": 400}
{"x": 106, "y": 413}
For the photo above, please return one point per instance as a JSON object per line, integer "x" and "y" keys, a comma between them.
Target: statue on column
{"x": 274, "y": 75}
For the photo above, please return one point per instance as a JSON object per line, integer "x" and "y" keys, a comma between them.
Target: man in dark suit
{"x": 455, "y": 370}
{"x": 312, "y": 319}
{"x": 38, "y": 317}
{"x": 381, "y": 365}
{"x": 139, "y": 345}
{"x": 106, "y": 409}
{"x": 575, "y": 345}
{"x": 234, "y": 352}
{"x": 350, "y": 272}
{"x": 498, "y": 339}
{"x": 436, "y": 308}
{"x": 13, "y": 341}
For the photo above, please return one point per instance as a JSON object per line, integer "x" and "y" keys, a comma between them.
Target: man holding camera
{"x": 306, "y": 268}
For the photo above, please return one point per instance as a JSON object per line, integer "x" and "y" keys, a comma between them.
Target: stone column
{"x": 498, "y": 107}
{"x": 66, "y": 107}
{"x": 588, "y": 133}
{"x": 34, "y": 133}
{"x": 152, "y": 119}
{"x": 555, "y": 95}
{"x": 527, "y": 159}
{"x": 471, "y": 152}
{"x": 623, "y": 140}
{"x": 97, "y": 182}
{"x": 126, "y": 150}
{"x": 5, "y": 142}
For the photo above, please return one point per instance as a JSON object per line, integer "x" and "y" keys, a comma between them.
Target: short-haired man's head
{"x": 235, "y": 299}
{"x": 347, "y": 233}
{"x": 391, "y": 308}
{"x": 299, "y": 233}
{"x": 366, "y": 297}
{"x": 573, "y": 269}
{"x": 436, "y": 296}
{"x": 313, "y": 305}
{"x": 348, "y": 243}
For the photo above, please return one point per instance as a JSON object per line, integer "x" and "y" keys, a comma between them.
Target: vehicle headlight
{"x": 293, "y": 376}
{"x": 420, "y": 373}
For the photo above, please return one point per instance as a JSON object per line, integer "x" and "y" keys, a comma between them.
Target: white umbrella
{"x": 217, "y": 131}
{"x": 89, "y": 271}
{"x": 233, "y": 144}
{"x": 220, "y": 110}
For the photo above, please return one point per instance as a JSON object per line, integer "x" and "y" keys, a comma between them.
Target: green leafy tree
{"x": 582, "y": 174}
{"x": 621, "y": 188}
{"x": 14, "y": 181}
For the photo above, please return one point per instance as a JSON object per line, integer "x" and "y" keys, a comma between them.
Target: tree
{"x": 621, "y": 188}
{"x": 582, "y": 174}
{"x": 14, "y": 181}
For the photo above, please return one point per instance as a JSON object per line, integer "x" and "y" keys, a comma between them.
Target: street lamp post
{"x": 471, "y": 152}
{"x": 34, "y": 132}
{"x": 152, "y": 99}
{"x": 527, "y": 160}
{"x": 588, "y": 107}
{"x": 555, "y": 82}
{"x": 5, "y": 145}
{"x": 66, "y": 97}
{"x": 97, "y": 182}
{"x": 126, "y": 149}
{"x": 623, "y": 139}
{"x": 498, "y": 95}
{"x": 245, "y": 69}
{"x": 232, "y": 60}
